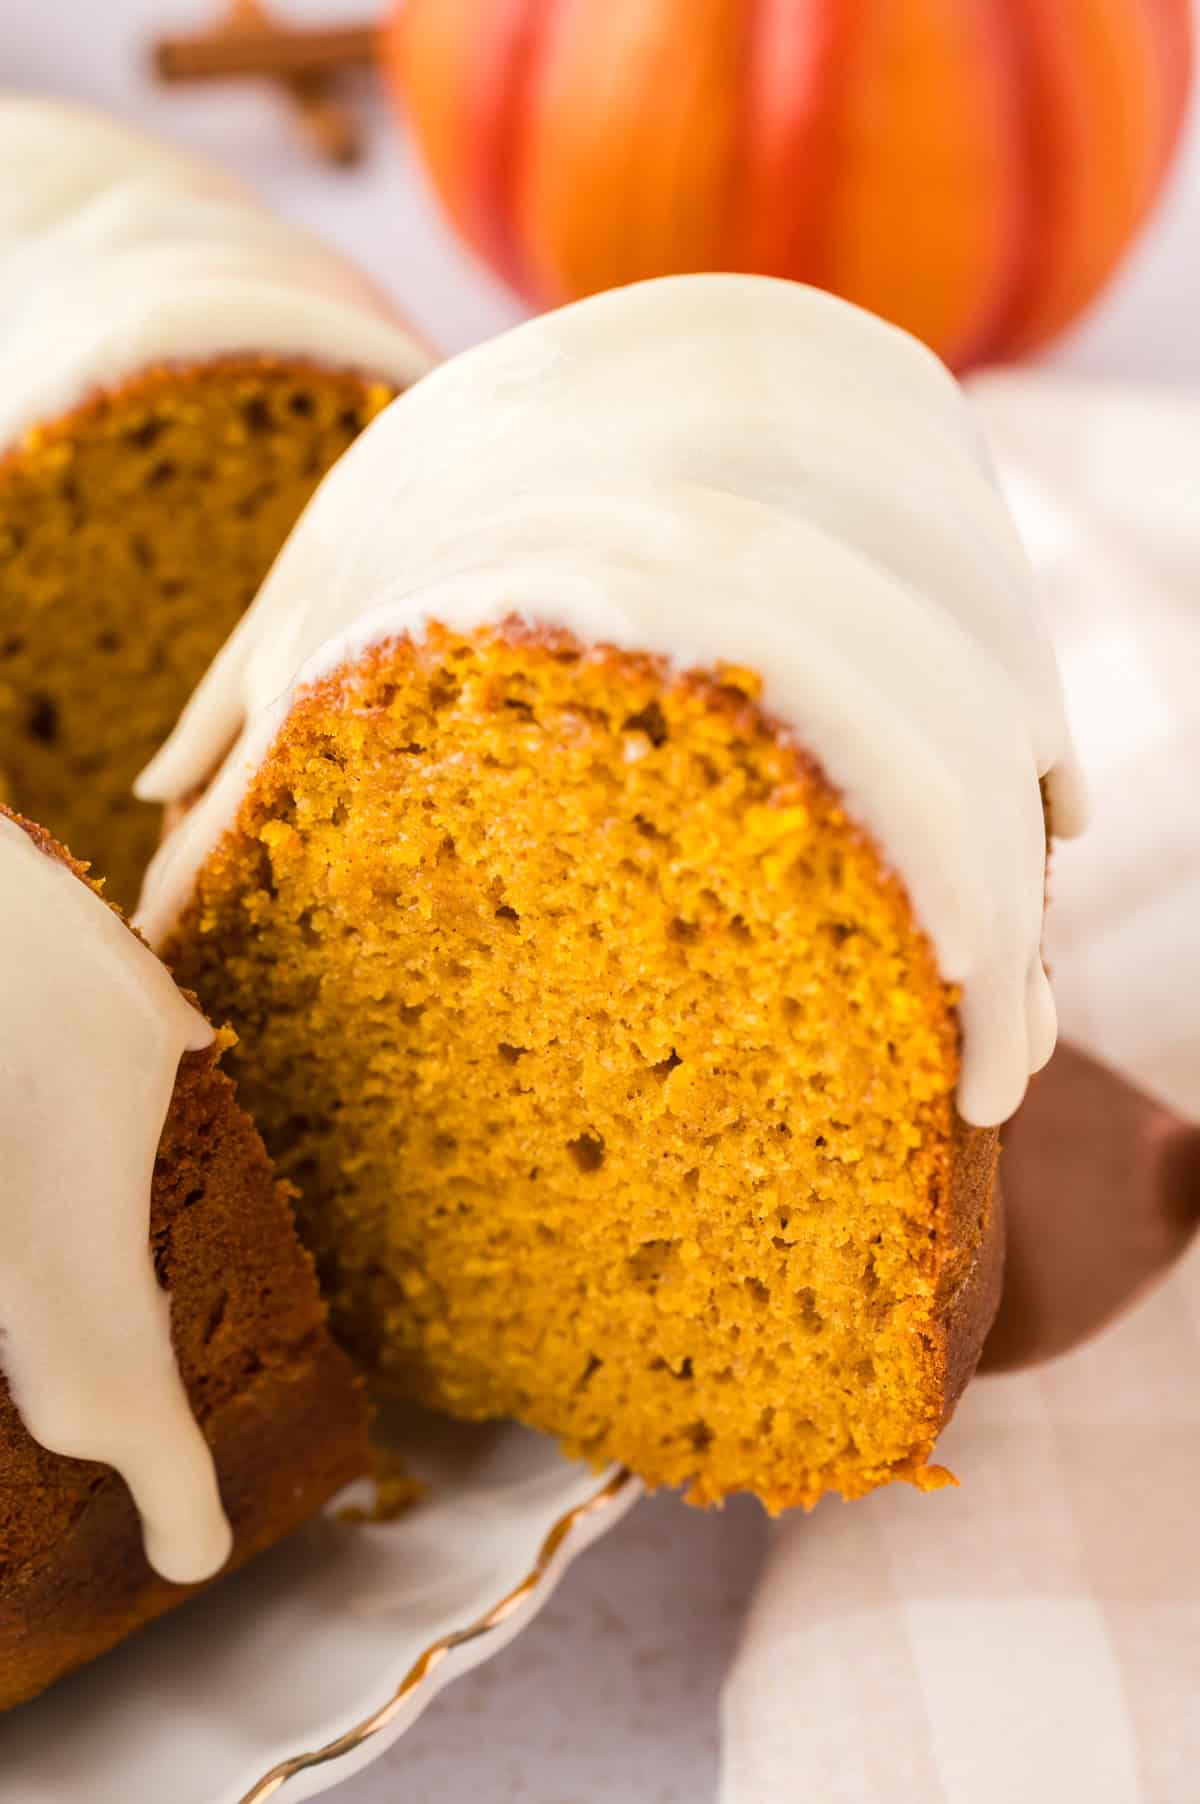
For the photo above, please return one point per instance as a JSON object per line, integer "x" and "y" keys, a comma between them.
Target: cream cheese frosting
{"x": 92, "y": 1033}
{"x": 118, "y": 254}
{"x": 711, "y": 468}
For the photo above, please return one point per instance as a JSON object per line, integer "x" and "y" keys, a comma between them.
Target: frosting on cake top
{"x": 718, "y": 469}
{"x": 118, "y": 254}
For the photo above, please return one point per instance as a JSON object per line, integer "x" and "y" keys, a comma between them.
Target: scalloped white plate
{"x": 298, "y": 1672}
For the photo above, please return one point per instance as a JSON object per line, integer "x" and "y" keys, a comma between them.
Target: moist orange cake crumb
{"x": 133, "y": 533}
{"x": 615, "y": 1076}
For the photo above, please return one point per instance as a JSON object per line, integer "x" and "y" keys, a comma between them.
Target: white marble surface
{"x": 611, "y": 1695}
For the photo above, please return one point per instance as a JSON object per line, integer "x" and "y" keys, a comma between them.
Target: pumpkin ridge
{"x": 505, "y": 67}
{"x": 1093, "y": 113}
{"x": 767, "y": 149}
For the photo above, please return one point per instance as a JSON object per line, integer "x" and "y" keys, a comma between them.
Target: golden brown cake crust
{"x": 973, "y": 1272}
{"x": 277, "y": 1401}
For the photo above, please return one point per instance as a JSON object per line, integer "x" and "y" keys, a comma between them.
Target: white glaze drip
{"x": 712, "y": 468}
{"x": 118, "y": 254}
{"x": 92, "y": 1030}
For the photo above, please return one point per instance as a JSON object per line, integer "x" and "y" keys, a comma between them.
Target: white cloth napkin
{"x": 1034, "y": 1636}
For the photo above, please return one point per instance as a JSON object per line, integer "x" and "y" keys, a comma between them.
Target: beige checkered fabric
{"x": 1034, "y": 1636}
{"x": 1106, "y": 487}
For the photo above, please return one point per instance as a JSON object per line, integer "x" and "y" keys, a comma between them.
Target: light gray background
{"x": 611, "y": 1695}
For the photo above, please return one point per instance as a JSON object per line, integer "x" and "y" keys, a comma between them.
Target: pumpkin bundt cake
{"x": 626, "y": 884}
{"x": 170, "y": 1399}
{"x": 177, "y": 371}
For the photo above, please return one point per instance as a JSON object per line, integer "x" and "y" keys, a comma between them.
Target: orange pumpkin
{"x": 973, "y": 169}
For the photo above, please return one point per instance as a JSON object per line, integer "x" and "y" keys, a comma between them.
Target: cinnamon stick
{"x": 326, "y": 122}
{"x": 266, "y": 52}
{"x": 329, "y": 126}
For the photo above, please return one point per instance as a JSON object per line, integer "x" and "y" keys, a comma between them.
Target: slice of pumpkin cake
{"x": 171, "y": 1401}
{"x": 626, "y": 884}
{"x": 178, "y": 369}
